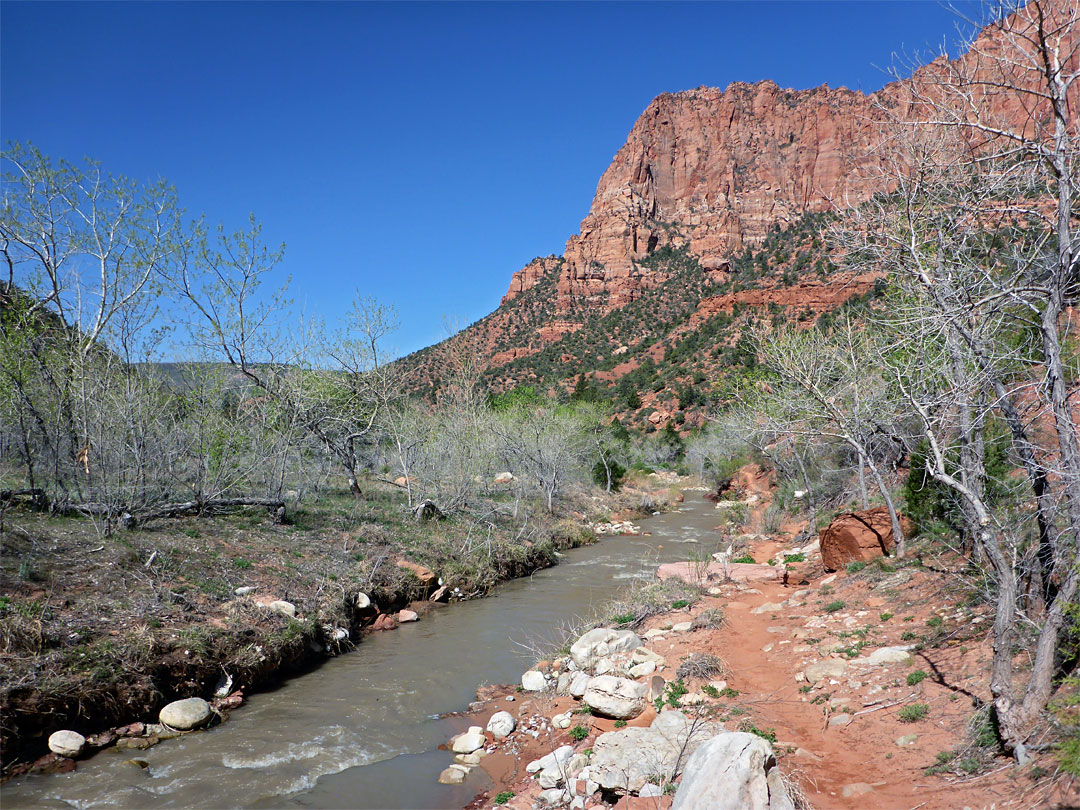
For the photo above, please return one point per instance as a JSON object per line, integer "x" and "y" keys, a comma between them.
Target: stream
{"x": 363, "y": 729}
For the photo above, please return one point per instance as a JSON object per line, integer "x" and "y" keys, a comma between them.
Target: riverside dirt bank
{"x": 100, "y": 632}
{"x": 867, "y": 683}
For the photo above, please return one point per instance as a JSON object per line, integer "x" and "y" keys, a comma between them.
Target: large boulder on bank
{"x": 533, "y": 681}
{"x": 501, "y": 724}
{"x": 858, "y": 537}
{"x": 469, "y": 741}
{"x": 67, "y": 743}
{"x": 185, "y": 714}
{"x": 620, "y": 698}
{"x": 732, "y": 771}
{"x": 625, "y": 760}
{"x": 600, "y": 643}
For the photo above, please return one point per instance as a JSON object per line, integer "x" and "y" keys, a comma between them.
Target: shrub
{"x": 855, "y": 566}
{"x": 918, "y": 676}
{"x": 745, "y": 558}
{"x": 832, "y": 607}
{"x": 935, "y": 622}
{"x": 711, "y": 619}
{"x": 710, "y": 691}
{"x": 913, "y": 713}
{"x": 600, "y": 474}
{"x": 700, "y": 665}
{"x": 886, "y": 616}
{"x": 504, "y": 797}
{"x": 579, "y": 733}
{"x": 794, "y": 558}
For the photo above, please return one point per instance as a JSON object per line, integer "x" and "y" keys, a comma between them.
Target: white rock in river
{"x": 601, "y": 642}
{"x": 533, "y": 681}
{"x": 468, "y": 742}
{"x": 501, "y": 724}
{"x": 454, "y": 775}
{"x": 615, "y": 697}
{"x": 185, "y": 714}
{"x": 67, "y": 743}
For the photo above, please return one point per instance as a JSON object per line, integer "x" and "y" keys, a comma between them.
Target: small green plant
{"x": 679, "y": 604}
{"x": 1068, "y": 753}
{"x": 504, "y": 797}
{"x": 675, "y": 692}
{"x": 832, "y": 607}
{"x": 825, "y": 590}
{"x": 765, "y": 733}
{"x": 908, "y": 635}
{"x": 941, "y": 765}
{"x": 770, "y": 561}
{"x": 918, "y": 676}
{"x": 728, "y": 692}
{"x": 913, "y": 713}
{"x": 583, "y": 710}
{"x": 579, "y": 733}
{"x": 241, "y": 563}
{"x": 620, "y": 724}
{"x": 745, "y": 558}
{"x": 623, "y": 618}
{"x": 936, "y": 622}
{"x": 710, "y": 691}
{"x": 805, "y": 688}
{"x": 886, "y": 616}
{"x": 855, "y": 566}
{"x": 794, "y": 558}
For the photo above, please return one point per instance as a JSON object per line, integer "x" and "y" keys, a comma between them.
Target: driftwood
{"x": 275, "y": 507}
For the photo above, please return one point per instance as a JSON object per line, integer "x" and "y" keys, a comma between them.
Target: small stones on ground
{"x": 829, "y": 668}
{"x": 682, "y": 627}
{"x": 185, "y": 714}
{"x": 906, "y": 740}
{"x": 856, "y": 789}
{"x": 67, "y": 743}
{"x": 768, "y": 607}
{"x": 840, "y": 719}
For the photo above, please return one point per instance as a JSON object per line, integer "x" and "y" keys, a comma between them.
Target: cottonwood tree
{"x": 829, "y": 387}
{"x": 979, "y": 230}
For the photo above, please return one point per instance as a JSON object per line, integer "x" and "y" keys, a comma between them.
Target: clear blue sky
{"x": 418, "y": 152}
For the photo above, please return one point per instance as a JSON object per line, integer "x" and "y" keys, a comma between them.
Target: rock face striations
{"x": 717, "y": 168}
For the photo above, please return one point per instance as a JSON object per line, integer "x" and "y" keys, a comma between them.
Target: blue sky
{"x": 418, "y": 152}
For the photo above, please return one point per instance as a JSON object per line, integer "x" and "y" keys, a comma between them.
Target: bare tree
{"x": 980, "y": 232}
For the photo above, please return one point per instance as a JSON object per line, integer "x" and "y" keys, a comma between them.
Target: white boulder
{"x": 732, "y": 771}
{"x": 67, "y": 743}
{"x": 470, "y": 741}
{"x": 600, "y": 643}
{"x": 533, "y": 681}
{"x": 620, "y": 698}
{"x": 501, "y": 724}
{"x": 185, "y": 714}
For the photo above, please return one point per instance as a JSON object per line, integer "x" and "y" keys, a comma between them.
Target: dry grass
{"x": 711, "y": 619}
{"x": 702, "y": 666}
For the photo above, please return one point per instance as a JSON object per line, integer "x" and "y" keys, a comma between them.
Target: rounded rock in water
{"x": 185, "y": 714}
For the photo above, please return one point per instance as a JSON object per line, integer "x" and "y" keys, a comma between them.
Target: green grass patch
{"x": 918, "y": 676}
{"x": 832, "y": 607}
{"x": 913, "y": 713}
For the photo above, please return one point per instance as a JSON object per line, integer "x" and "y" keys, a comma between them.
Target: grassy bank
{"x": 98, "y": 631}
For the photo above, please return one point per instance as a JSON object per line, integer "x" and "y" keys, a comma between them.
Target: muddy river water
{"x": 363, "y": 730}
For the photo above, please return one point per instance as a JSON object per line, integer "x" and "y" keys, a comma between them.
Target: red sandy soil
{"x": 766, "y": 653}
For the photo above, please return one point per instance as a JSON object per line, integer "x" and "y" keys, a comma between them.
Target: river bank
{"x": 100, "y": 632}
{"x": 867, "y": 684}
